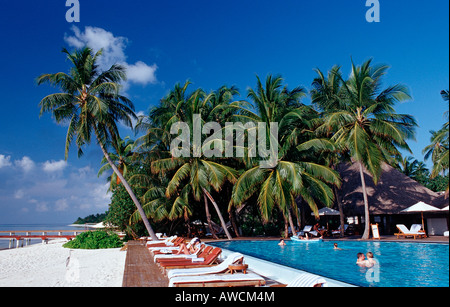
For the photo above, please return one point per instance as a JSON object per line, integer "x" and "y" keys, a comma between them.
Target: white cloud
{"x": 54, "y": 166}
{"x": 19, "y": 194}
{"x": 5, "y": 161}
{"x": 61, "y": 204}
{"x": 141, "y": 73}
{"x": 113, "y": 52}
{"x": 50, "y": 190}
{"x": 25, "y": 163}
{"x": 42, "y": 207}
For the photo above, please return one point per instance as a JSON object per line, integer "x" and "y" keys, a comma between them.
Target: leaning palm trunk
{"x": 291, "y": 223}
{"x": 130, "y": 192}
{"x": 366, "y": 204}
{"x": 208, "y": 218}
{"x": 222, "y": 221}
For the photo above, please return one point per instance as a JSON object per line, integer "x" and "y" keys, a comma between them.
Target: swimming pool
{"x": 401, "y": 264}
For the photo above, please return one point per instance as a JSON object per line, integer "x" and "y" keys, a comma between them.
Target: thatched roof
{"x": 393, "y": 193}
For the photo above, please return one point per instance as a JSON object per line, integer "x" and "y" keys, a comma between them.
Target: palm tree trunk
{"x": 341, "y": 212}
{"x": 130, "y": 192}
{"x": 208, "y": 218}
{"x": 222, "y": 221}
{"x": 366, "y": 204}
{"x": 233, "y": 222}
{"x": 286, "y": 226}
{"x": 291, "y": 223}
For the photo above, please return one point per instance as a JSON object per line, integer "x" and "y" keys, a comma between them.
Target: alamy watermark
{"x": 73, "y": 13}
{"x": 233, "y": 145}
{"x": 373, "y": 13}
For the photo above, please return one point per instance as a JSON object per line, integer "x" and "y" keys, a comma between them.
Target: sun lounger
{"x": 405, "y": 232}
{"x": 166, "y": 240}
{"x": 305, "y": 280}
{"x": 306, "y": 229}
{"x": 175, "y": 242}
{"x": 233, "y": 258}
{"x": 210, "y": 259}
{"x": 170, "y": 249}
{"x": 218, "y": 280}
{"x": 202, "y": 255}
{"x": 161, "y": 256}
{"x": 308, "y": 280}
{"x": 338, "y": 231}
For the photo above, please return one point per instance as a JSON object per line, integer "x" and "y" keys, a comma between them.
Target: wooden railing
{"x": 21, "y": 237}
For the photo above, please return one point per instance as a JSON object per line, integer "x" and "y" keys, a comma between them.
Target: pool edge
{"x": 284, "y": 274}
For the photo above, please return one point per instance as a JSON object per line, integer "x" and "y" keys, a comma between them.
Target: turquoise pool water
{"x": 401, "y": 264}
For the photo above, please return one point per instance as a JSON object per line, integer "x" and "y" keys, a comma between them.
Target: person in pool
{"x": 282, "y": 243}
{"x": 361, "y": 259}
{"x": 370, "y": 260}
{"x": 335, "y": 246}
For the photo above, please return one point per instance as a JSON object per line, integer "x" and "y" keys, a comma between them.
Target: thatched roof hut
{"x": 393, "y": 193}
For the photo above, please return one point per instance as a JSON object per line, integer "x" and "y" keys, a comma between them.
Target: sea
{"x": 22, "y": 228}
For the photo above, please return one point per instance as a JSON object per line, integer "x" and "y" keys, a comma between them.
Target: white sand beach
{"x": 51, "y": 265}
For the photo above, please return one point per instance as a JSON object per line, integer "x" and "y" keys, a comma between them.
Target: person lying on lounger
{"x": 191, "y": 248}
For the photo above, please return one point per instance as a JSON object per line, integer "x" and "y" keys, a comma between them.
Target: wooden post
{"x": 27, "y": 240}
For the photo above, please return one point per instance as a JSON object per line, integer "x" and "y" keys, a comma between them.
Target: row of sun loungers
{"x": 206, "y": 270}
{"x": 308, "y": 230}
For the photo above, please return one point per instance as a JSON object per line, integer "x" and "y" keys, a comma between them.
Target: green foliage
{"x": 93, "y": 218}
{"x": 120, "y": 211}
{"x": 95, "y": 240}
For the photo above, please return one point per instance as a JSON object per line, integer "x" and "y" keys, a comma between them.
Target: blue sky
{"x": 211, "y": 43}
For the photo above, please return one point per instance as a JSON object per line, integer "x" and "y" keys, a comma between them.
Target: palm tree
{"x": 439, "y": 147}
{"x": 408, "y": 166}
{"x": 192, "y": 176}
{"x": 366, "y": 125}
{"x": 326, "y": 95}
{"x": 90, "y": 102}
{"x": 291, "y": 177}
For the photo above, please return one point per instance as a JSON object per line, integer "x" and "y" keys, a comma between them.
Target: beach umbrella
{"x": 421, "y": 207}
{"x": 327, "y": 211}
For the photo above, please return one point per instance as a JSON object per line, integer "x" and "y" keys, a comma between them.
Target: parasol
{"x": 420, "y": 207}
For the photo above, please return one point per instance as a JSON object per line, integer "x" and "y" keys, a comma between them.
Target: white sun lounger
{"x": 405, "y": 232}
{"x": 416, "y": 228}
{"x": 308, "y": 280}
{"x": 166, "y": 241}
{"x": 216, "y": 269}
{"x": 218, "y": 280}
{"x": 338, "y": 231}
{"x": 306, "y": 229}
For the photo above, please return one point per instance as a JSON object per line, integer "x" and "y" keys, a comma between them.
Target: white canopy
{"x": 327, "y": 211}
{"x": 444, "y": 209}
{"x": 420, "y": 207}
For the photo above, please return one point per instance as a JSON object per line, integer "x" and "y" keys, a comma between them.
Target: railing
{"x": 21, "y": 237}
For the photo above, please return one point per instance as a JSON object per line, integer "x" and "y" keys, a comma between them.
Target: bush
{"x": 95, "y": 240}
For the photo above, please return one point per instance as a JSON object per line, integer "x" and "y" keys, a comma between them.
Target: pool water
{"x": 400, "y": 264}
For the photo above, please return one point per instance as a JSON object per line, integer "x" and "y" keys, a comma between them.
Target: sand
{"x": 51, "y": 265}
